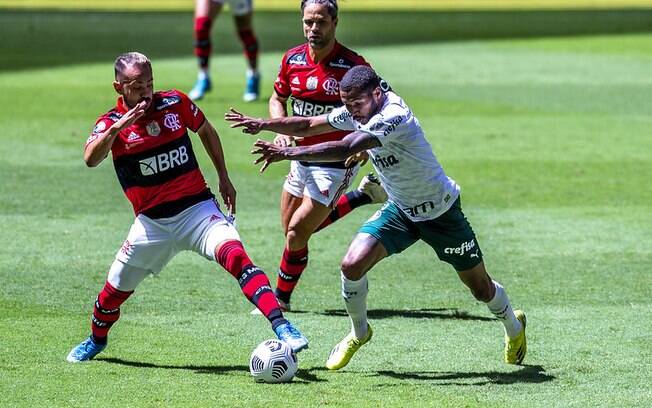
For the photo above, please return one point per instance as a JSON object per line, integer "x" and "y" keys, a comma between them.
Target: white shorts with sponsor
{"x": 238, "y": 7}
{"x": 152, "y": 243}
{"x": 323, "y": 184}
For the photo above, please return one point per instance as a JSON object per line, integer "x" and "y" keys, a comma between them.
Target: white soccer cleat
{"x": 370, "y": 185}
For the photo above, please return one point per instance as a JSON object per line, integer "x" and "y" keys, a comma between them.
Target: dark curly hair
{"x": 361, "y": 78}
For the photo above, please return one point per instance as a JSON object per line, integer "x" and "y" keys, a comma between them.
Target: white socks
{"x": 501, "y": 308}
{"x": 202, "y": 74}
{"x": 355, "y": 300}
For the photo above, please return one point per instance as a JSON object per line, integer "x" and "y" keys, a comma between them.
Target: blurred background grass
{"x": 344, "y": 4}
{"x": 44, "y": 38}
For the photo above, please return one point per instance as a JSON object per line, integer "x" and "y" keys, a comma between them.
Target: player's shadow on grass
{"x": 199, "y": 369}
{"x": 437, "y": 313}
{"x": 302, "y": 374}
{"x": 531, "y": 374}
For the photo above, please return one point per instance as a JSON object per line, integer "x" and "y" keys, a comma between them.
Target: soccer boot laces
{"x": 85, "y": 351}
{"x": 292, "y": 336}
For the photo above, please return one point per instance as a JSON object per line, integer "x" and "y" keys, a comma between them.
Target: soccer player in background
{"x": 423, "y": 203}
{"x": 313, "y": 193}
{"x": 147, "y": 135}
{"x": 206, "y": 11}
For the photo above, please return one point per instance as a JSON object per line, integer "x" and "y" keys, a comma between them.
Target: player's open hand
{"x": 360, "y": 157}
{"x": 283, "y": 140}
{"x": 131, "y": 116}
{"x": 227, "y": 191}
{"x": 248, "y": 124}
{"x": 269, "y": 153}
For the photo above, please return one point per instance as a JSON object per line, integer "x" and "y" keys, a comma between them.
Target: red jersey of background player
{"x": 314, "y": 88}
{"x": 153, "y": 158}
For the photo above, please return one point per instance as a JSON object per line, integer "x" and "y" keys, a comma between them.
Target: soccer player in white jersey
{"x": 423, "y": 201}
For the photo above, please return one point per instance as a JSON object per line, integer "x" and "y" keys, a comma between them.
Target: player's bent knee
{"x": 352, "y": 269}
{"x": 125, "y": 277}
{"x": 297, "y": 238}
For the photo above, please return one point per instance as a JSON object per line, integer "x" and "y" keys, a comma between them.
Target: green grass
{"x": 549, "y": 138}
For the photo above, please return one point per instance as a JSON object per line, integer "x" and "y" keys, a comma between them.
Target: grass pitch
{"x": 549, "y": 139}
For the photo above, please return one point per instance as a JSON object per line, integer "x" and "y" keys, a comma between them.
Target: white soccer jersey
{"x": 405, "y": 162}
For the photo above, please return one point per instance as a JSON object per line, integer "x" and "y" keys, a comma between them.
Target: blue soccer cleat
{"x": 202, "y": 86}
{"x": 85, "y": 351}
{"x": 292, "y": 336}
{"x": 253, "y": 87}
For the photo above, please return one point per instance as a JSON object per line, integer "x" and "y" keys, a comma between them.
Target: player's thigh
{"x": 307, "y": 217}
{"x": 289, "y": 204}
{"x": 364, "y": 252}
{"x": 295, "y": 180}
{"x": 205, "y": 228}
{"x": 326, "y": 185}
{"x": 208, "y": 8}
{"x": 126, "y": 277}
{"x": 149, "y": 245}
{"x": 391, "y": 228}
{"x": 240, "y": 8}
{"x": 452, "y": 238}
{"x": 243, "y": 22}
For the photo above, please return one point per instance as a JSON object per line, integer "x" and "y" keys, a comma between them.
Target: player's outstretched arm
{"x": 278, "y": 108}
{"x": 211, "y": 141}
{"x": 338, "y": 150}
{"x": 97, "y": 150}
{"x": 294, "y": 125}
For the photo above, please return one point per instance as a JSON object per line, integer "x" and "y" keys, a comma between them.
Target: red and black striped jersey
{"x": 154, "y": 159}
{"x": 314, "y": 87}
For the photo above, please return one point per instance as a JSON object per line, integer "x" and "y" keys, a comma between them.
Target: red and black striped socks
{"x": 106, "y": 311}
{"x": 293, "y": 263}
{"x": 203, "y": 45}
{"x": 253, "y": 281}
{"x": 347, "y": 203}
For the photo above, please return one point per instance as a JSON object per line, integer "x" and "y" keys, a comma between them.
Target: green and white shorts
{"x": 450, "y": 234}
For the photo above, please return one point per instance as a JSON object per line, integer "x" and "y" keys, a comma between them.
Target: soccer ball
{"x": 273, "y": 361}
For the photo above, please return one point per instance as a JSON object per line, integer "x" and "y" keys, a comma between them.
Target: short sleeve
{"x": 282, "y": 85}
{"x": 101, "y": 125}
{"x": 340, "y": 118}
{"x": 193, "y": 117}
{"x": 387, "y": 124}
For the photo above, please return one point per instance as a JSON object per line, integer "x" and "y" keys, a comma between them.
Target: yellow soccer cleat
{"x": 515, "y": 348}
{"x": 345, "y": 349}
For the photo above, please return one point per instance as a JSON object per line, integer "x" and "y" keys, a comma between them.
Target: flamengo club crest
{"x": 171, "y": 121}
{"x": 312, "y": 83}
{"x": 153, "y": 129}
{"x": 331, "y": 86}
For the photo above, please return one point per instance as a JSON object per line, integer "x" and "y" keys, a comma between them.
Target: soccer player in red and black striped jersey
{"x": 313, "y": 194}
{"x": 206, "y": 12}
{"x": 147, "y": 135}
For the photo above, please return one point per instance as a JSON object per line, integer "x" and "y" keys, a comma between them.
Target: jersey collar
{"x": 334, "y": 51}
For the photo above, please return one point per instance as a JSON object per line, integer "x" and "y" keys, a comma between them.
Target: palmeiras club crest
{"x": 153, "y": 129}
